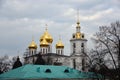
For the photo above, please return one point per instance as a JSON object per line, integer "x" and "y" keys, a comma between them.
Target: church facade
{"x": 77, "y": 58}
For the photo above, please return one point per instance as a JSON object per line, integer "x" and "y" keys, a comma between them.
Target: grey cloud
{"x": 42, "y": 10}
{"x": 2, "y": 3}
{"x": 22, "y": 19}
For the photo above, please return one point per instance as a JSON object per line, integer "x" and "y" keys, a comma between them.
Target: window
{"x": 43, "y": 50}
{"x": 49, "y": 48}
{"x": 83, "y": 64}
{"x": 74, "y": 45}
{"x": 46, "y": 50}
{"x": 74, "y": 64}
{"x": 66, "y": 71}
{"x": 48, "y": 71}
{"x": 73, "y": 36}
{"x": 58, "y": 51}
{"x": 83, "y": 36}
{"x": 82, "y": 45}
{"x": 32, "y": 52}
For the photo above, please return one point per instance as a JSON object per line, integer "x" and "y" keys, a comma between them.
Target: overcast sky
{"x": 22, "y": 19}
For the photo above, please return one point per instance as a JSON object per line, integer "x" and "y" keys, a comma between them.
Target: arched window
{"x": 61, "y": 52}
{"x": 58, "y": 51}
{"x": 43, "y": 50}
{"x": 82, "y": 47}
{"x": 46, "y": 50}
{"x": 66, "y": 71}
{"x": 83, "y": 64}
{"x": 74, "y": 45}
{"x": 73, "y": 36}
{"x": 82, "y": 44}
{"x": 83, "y": 36}
{"x": 49, "y": 48}
{"x": 74, "y": 63}
{"x": 48, "y": 71}
{"x": 32, "y": 52}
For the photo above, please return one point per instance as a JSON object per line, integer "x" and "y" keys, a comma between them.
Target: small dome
{"x": 33, "y": 45}
{"x": 47, "y": 37}
{"x": 59, "y": 44}
{"x": 78, "y": 23}
{"x": 78, "y": 35}
{"x": 44, "y": 43}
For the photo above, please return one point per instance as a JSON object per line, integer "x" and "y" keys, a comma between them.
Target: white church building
{"x": 77, "y": 58}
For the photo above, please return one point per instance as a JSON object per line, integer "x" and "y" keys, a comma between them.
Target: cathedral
{"x": 77, "y": 58}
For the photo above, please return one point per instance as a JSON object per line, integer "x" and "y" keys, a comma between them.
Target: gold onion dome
{"x": 44, "y": 43}
{"x": 47, "y": 37}
{"x": 41, "y": 38}
{"x": 78, "y": 35}
{"x": 59, "y": 44}
{"x": 33, "y": 45}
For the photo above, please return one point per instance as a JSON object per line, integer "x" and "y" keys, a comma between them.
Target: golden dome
{"x": 78, "y": 35}
{"x": 47, "y": 37}
{"x": 59, "y": 44}
{"x": 44, "y": 43}
{"x": 41, "y": 38}
{"x": 33, "y": 45}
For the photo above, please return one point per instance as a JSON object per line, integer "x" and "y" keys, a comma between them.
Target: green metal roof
{"x": 47, "y": 72}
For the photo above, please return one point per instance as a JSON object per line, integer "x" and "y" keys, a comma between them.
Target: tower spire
{"x": 32, "y": 38}
{"x": 46, "y": 27}
{"x": 78, "y": 21}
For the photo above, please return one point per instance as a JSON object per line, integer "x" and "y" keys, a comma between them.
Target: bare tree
{"x": 108, "y": 48}
{"x": 5, "y": 64}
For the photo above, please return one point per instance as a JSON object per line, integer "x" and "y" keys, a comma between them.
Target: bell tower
{"x": 78, "y": 47}
{"x": 78, "y": 41}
